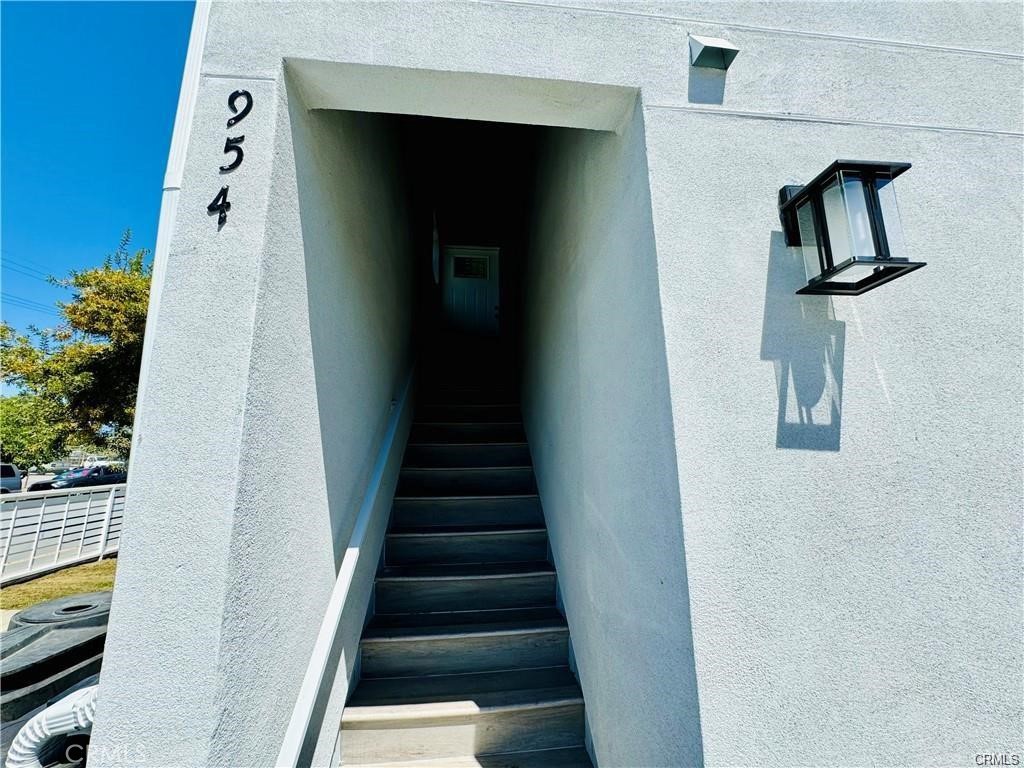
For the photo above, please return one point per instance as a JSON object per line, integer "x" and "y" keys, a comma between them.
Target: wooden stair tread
{"x": 471, "y": 497}
{"x": 507, "y": 627}
{"x": 485, "y": 690}
{"x": 447, "y": 618}
{"x": 571, "y": 757}
{"x": 484, "y": 529}
{"x": 515, "y": 443}
{"x": 466, "y": 571}
{"x": 479, "y": 470}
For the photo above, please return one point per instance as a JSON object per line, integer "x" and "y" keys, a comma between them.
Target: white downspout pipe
{"x": 172, "y": 189}
{"x": 72, "y": 714}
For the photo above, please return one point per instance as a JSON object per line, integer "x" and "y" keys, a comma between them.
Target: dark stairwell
{"x": 466, "y": 659}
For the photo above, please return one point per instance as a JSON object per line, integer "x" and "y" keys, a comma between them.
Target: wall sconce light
{"x": 711, "y": 52}
{"x": 847, "y": 224}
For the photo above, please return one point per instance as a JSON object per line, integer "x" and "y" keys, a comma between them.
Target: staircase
{"x": 465, "y": 661}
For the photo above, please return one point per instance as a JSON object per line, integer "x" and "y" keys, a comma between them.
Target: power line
{"x": 9, "y": 303}
{"x": 27, "y": 302}
{"x": 51, "y": 319}
{"x": 15, "y": 264}
{"x": 24, "y": 265}
{"x": 25, "y": 272}
{"x": 25, "y": 298}
{"x": 9, "y": 306}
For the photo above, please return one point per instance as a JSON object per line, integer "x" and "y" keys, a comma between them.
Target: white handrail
{"x": 48, "y": 530}
{"x": 314, "y": 679}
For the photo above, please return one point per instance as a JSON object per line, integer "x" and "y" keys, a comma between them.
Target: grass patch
{"x": 91, "y": 577}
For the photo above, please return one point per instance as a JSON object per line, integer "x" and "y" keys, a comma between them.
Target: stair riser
{"x": 467, "y": 433}
{"x": 466, "y": 482}
{"x": 455, "y": 655}
{"x": 394, "y": 621}
{"x": 486, "y": 455}
{"x": 480, "y": 733}
{"x": 485, "y": 548}
{"x": 439, "y": 395}
{"x": 429, "y": 512}
{"x": 468, "y": 413}
{"x": 467, "y": 594}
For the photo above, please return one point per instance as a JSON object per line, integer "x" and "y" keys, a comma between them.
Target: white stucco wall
{"x": 268, "y": 397}
{"x": 598, "y": 417}
{"x": 855, "y": 590}
{"x": 860, "y": 603}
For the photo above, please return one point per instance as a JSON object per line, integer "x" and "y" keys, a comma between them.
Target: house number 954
{"x": 233, "y": 147}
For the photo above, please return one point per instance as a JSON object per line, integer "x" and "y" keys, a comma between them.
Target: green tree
{"x": 30, "y": 434}
{"x": 85, "y": 372}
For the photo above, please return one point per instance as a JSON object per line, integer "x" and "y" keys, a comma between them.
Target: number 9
{"x": 239, "y": 116}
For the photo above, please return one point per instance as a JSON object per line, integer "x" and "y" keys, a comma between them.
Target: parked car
{"x": 80, "y": 478}
{"x": 47, "y": 485}
{"x": 10, "y": 478}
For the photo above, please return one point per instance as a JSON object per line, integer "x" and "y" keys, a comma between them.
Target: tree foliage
{"x": 84, "y": 374}
{"x": 30, "y": 432}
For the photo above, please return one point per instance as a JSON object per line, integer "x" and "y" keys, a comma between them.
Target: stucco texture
{"x": 269, "y": 393}
{"x": 826, "y": 494}
{"x": 855, "y": 582}
{"x": 596, "y": 405}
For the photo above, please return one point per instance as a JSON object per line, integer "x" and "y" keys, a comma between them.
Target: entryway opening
{"x": 499, "y": 232}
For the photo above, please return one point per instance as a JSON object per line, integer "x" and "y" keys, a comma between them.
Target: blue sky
{"x": 89, "y": 92}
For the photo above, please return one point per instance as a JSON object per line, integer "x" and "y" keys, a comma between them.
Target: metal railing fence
{"x": 47, "y": 530}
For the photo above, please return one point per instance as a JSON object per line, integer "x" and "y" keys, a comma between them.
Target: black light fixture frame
{"x": 886, "y": 266}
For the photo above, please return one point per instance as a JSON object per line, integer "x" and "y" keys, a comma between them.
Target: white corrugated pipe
{"x": 72, "y": 714}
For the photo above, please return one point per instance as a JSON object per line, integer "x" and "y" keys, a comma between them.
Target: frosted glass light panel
{"x": 890, "y": 211}
{"x": 846, "y": 219}
{"x": 813, "y": 264}
{"x": 849, "y": 222}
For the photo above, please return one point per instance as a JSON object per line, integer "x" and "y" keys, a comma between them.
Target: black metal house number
{"x": 220, "y": 204}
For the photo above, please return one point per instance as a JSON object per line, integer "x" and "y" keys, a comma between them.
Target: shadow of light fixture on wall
{"x": 806, "y": 344}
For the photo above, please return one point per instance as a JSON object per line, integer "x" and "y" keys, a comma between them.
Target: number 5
{"x": 231, "y": 145}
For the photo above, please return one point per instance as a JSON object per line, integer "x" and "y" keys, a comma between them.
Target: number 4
{"x": 220, "y": 206}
